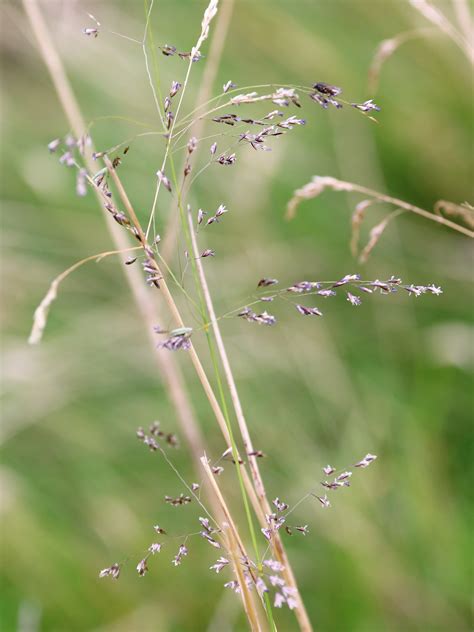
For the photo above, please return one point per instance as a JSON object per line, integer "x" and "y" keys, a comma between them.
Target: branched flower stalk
{"x": 226, "y": 110}
{"x": 146, "y": 306}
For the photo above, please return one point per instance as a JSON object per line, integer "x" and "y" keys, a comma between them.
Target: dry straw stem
{"x": 165, "y": 292}
{"x": 260, "y": 508}
{"x": 231, "y": 538}
{"x": 357, "y": 218}
{"x": 464, "y": 211}
{"x": 464, "y": 18}
{"x": 40, "y": 317}
{"x": 463, "y": 39}
{"x": 257, "y": 479}
{"x": 168, "y": 243}
{"x": 279, "y": 550}
{"x": 320, "y": 183}
{"x": 236, "y": 548}
{"x": 376, "y": 233}
{"x": 436, "y": 17}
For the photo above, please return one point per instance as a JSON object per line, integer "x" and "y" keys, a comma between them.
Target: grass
{"x": 80, "y": 491}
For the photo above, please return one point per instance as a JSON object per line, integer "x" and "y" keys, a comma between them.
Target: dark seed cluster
{"x": 182, "y": 499}
{"x": 262, "y": 319}
{"x": 325, "y": 94}
{"x": 155, "y": 432}
{"x": 169, "y": 50}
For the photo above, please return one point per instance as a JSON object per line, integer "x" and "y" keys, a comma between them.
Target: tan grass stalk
{"x": 387, "y": 48}
{"x": 169, "y": 369}
{"x": 357, "y": 218}
{"x": 464, "y": 211}
{"x": 376, "y": 232}
{"x": 257, "y": 496}
{"x": 279, "y": 551}
{"x": 437, "y": 17}
{"x": 40, "y": 317}
{"x": 320, "y": 183}
{"x": 464, "y": 18}
{"x": 237, "y": 549}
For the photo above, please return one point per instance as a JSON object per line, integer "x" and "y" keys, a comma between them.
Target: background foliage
{"x": 392, "y": 377}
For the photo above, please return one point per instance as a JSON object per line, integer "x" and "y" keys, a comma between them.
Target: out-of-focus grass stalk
{"x": 319, "y": 183}
{"x": 41, "y": 312}
{"x": 437, "y": 17}
{"x": 464, "y": 18}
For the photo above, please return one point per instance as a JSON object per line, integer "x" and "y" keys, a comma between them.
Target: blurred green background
{"x": 392, "y": 377}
